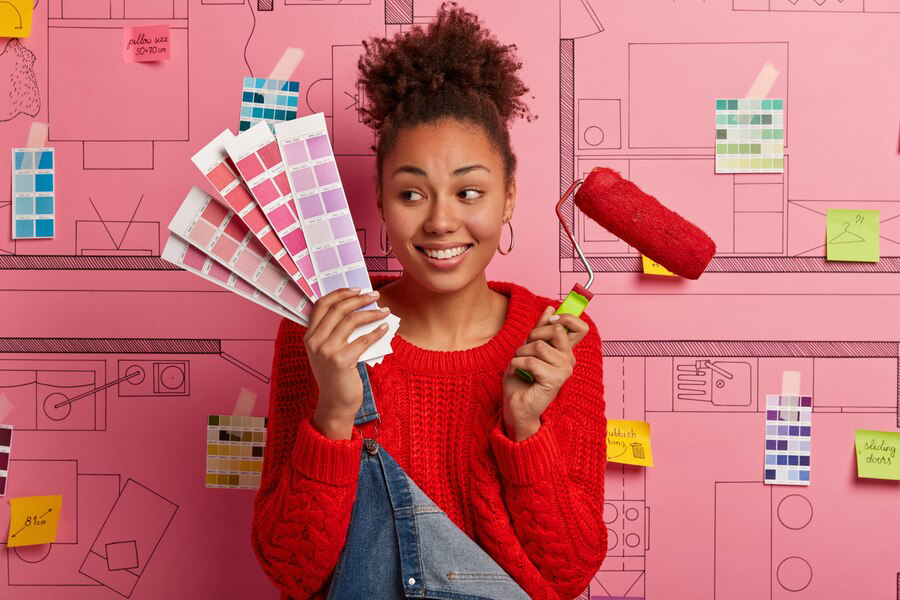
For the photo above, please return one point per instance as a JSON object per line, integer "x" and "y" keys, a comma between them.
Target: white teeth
{"x": 442, "y": 254}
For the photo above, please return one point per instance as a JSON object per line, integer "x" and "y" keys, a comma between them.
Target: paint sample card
{"x": 33, "y": 193}
{"x": 325, "y": 216}
{"x": 876, "y": 454}
{"x": 628, "y": 442}
{"x": 322, "y": 205}
{"x": 651, "y": 267}
{"x": 749, "y": 135}
{"x": 852, "y": 235}
{"x": 15, "y": 18}
{"x": 268, "y": 101}
{"x": 146, "y": 43}
{"x": 33, "y": 520}
{"x": 5, "y": 451}
{"x": 224, "y": 237}
{"x": 258, "y": 159}
{"x": 190, "y": 258}
{"x": 216, "y": 166}
{"x": 787, "y": 439}
{"x": 234, "y": 451}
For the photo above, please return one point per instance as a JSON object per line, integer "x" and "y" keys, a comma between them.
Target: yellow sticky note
{"x": 877, "y": 454}
{"x": 852, "y": 235}
{"x": 652, "y": 267}
{"x": 33, "y": 520}
{"x": 628, "y": 442}
{"x": 15, "y": 18}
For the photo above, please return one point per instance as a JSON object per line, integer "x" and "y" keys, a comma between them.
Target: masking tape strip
{"x": 790, "y": 383}
{"x": 37, "y": 135}
{"x": 765, "y": 79}
{"x": 244, "y": 404}
{"x": 287, "y": 64}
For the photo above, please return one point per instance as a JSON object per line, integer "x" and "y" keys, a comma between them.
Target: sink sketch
{"x": 719, "y": 382}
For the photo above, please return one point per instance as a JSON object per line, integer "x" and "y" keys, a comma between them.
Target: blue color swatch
{"x": 787, "y": 439}
{"x": 34, "y": 189}
{"x": 268, "y": 100}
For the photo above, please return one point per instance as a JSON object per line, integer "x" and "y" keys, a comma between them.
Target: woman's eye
{"x": 404, "y": 195}
{"x": 475, "y": 192}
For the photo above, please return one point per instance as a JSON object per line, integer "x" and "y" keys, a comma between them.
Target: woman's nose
{"x": 441, "y": 216}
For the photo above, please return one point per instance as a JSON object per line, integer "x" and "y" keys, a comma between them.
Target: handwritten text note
{"x": 33, "y": 520}
{"x": 876, "y": 454}
{"x": 145, "y": 43}
{"x": 628, "y": 442}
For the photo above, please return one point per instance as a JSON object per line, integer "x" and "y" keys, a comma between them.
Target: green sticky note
{"x": 852, "y": 235}
{"x": 877, "y": 454}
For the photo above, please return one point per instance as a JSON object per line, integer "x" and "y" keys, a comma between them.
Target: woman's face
{"x": 442, "y": 188}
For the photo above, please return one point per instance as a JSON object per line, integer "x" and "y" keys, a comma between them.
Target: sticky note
{"x": 146, "y": 43}
{"x": 33, "y": 520}
{"x": 876, "y": 454}
{"x": 852, "y": 235}
{"x": 15, "y": 18}
{"x": 628, "y": 442}
{"x": 651, "y": 267}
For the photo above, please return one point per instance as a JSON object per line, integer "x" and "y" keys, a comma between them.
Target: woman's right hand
{"x": 333, "y": 360}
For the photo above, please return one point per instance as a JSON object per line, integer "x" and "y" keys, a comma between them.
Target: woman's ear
{"x": 510, "y": 203}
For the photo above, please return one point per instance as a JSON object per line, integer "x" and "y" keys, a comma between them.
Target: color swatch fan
{"x": 280, "y": 234}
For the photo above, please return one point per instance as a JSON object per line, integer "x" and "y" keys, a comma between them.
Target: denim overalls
{"x": 401, "y": 545}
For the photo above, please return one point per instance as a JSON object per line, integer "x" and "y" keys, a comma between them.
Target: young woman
{"x": 516, "y": 467}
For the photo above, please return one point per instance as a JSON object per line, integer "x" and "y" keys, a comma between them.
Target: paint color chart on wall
{"x": 788, "y": 439}
{"x": 749, "y": 135}
{"x": 212, "y": 160}
{"x": 33, "y": 193}
{"x": 192, "y": 259}
{"x": 234, "y": 451}
{"x": 223, "y": 236}
{"x": 5, "y": 451}
{"x": 258, "y": 159}
{"x": 268, "y": 101}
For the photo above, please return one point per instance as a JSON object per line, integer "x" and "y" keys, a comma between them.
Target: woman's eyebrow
{"x": 455, "y": 173}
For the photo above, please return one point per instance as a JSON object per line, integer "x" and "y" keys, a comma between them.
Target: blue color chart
{"x": 33, "y": 187}
{"x": 787, "y": 439}
{"x": 268, "y": 100}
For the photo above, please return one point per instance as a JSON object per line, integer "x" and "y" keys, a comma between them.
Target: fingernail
{"x": 374, "y": 293}
{"x": 355, "y": 289}
{"x": 553, "y": 318}
{"x": 384, "y": 309}
{"x": 382, "y": 326}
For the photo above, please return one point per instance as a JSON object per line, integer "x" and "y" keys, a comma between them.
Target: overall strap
{"x": 367, "y": 412}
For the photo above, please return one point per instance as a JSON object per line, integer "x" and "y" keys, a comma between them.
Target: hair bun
{"x": 454, "y": 55}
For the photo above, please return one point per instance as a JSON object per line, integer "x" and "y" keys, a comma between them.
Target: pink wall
{"x": 623, "y": 84}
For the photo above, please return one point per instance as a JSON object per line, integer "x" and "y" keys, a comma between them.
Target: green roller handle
{"x": 574, "y": 304}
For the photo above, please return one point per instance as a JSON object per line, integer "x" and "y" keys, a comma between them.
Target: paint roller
{"x": 639, "y": 220}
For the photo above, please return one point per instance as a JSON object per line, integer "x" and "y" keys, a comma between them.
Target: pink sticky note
{"x": 145, "y": 43}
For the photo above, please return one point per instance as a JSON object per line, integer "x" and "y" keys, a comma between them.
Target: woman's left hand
{"x": 551, "y": 365}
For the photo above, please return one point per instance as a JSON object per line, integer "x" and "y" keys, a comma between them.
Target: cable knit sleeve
{"x": 553, "y": 480}
{"x": 303, "y": 506}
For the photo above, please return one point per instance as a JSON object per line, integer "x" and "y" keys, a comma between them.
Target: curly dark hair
{"x": 456, "y": 68}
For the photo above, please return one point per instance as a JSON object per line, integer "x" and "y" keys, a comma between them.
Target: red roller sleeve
{"x": 643, "y": 223}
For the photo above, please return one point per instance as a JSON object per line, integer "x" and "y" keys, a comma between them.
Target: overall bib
{"x": 401, "y": 545}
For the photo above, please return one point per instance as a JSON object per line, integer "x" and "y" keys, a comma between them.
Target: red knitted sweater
{"x": 535, "y": 506}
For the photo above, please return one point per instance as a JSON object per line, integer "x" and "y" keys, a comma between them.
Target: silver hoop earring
{"x": 511, "y": 239}
{"x": 382, "y": 244}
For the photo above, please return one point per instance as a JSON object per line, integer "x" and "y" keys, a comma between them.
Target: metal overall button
{"x": 370, "y": 443}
